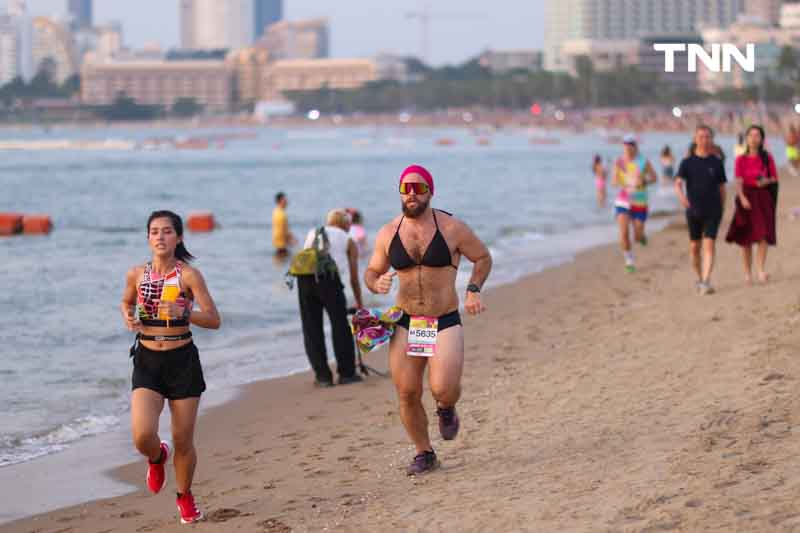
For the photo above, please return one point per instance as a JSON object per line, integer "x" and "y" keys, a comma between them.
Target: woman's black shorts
{"x": 174, "y": 374}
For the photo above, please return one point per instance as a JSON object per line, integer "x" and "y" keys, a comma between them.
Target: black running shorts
{"x": 174, "y": 374}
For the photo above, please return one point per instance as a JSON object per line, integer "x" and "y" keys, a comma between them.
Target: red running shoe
{"x": 156, "y": 473}
{"x": 189, "y": 511}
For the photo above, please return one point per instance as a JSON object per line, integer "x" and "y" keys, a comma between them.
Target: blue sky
{"x": 459, "y": 29}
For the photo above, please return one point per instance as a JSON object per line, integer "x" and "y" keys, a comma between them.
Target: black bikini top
{"x": 437, "y": 255}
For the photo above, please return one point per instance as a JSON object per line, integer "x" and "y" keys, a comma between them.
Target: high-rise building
{"x": 790, "y": 16}
{"x": 210, "y": 24}
{"x": 19, "y": 21}
{"x": 109, "y": 40}
{"x": 567, "y": 20}
{"x": 80, "y": 12}
{"x": 767, "y": 10}
{"x": 9, "y": 49}
{"x": 302, "y": 39}
{"x": 267, "y": 12}
{"x": 187, "y": 24}
{"x": 768, "y": 41}
{"x": 16, "y": 8}
{"x": 53, "y": 48}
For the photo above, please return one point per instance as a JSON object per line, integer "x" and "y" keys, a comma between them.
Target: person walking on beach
{"x": 792, "y": 152}
{"x": 632, "y": 174}
{"x": 667, "y": 165}
{"x": 756, "y": 199}
{"x": 316, "y": 293}
{"x": 424, "y": 246}
{"x": 703, "y": 176}
{"x": 158, "y": 304}
{"x": 282, "y": 238}
{"x": 600, "y": 178}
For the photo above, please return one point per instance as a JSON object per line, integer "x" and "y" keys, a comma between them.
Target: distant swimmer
{"x": 700, "y": 186}
{"x": 159, "y": 305}
{"x": 282, "y": 238}
{"x": 424, "y": 246}
{"x": 600, "y": 179}
{"x": 632, "y": 174}
{"x": 667, "y": 165}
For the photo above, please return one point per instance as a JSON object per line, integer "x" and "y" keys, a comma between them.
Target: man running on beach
{"x": 632, "y": 174}
{"x": 424, "y": 247}
{"x": 704, "y": 200}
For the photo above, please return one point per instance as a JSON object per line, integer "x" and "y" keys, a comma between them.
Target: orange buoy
{"x": 10, "y": 224}
{"x": 445, "y": 141}
{"x": 36, "y": 224}
{"x": 201, "y": 222}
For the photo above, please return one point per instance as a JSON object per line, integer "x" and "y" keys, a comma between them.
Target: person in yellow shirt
{"x": 282, "y": 238}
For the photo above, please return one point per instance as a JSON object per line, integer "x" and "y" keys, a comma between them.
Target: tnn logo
{"x": 719, "y": 60}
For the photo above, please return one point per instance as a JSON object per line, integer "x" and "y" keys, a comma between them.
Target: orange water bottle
{"x": 169, "y": 293}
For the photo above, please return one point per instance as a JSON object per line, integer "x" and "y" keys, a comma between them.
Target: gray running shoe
{"x": 448, "y": 422}
{"x": 423, "y": 463}
{"x": 705, "y": 288}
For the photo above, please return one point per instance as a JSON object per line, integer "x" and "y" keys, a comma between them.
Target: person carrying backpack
{"x": 328, "y": 252}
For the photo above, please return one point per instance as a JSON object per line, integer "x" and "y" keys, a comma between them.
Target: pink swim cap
{"x": 422, "y": 171}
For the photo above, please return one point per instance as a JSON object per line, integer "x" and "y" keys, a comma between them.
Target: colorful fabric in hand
{"x": 373, "y": 328}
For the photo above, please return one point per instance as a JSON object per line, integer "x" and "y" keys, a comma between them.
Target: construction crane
{"x": 424, "y": 17}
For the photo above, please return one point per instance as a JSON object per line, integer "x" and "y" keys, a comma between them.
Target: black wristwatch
{"x": 473, "y": 288}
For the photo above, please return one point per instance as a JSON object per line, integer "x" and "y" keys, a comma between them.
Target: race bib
{"x": 422, "y": 334}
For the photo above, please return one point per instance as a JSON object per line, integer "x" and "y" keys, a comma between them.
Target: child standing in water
{"x": 600, "y": 178}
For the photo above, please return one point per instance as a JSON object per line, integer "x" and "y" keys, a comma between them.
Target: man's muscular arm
{"x": 377, "y": 277}
{"x": 471, "y": 247}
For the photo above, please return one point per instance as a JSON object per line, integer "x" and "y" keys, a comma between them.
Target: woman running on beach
{"x": 756, "y": 198}
{"x": 600, "y": 177}
{"x": 158, "y": 305}
{"x": 667, "y": 165}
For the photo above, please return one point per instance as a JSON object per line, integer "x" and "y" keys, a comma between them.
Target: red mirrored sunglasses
{"x": 418, "y": 188}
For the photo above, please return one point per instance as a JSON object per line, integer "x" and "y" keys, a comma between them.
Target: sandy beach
{"x": 593, "y": 400}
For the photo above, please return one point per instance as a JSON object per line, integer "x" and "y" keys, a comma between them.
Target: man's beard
{"x": 414, "y": 212}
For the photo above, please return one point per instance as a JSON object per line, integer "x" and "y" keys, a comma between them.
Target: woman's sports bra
{"x": 153, "y": 288}
{"x": 436, "y": 256}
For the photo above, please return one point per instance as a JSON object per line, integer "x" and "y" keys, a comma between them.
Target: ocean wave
{"x": 15, "y": 450}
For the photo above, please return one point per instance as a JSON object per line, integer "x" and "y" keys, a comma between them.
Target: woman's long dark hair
{"x": 181, "y": 253}
{"x": 762, "y": 152}
{"x": 764, "y": 155}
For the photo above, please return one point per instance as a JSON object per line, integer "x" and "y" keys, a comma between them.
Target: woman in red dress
{"x": 756, "y": 198}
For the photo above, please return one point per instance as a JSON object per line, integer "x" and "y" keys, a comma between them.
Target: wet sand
{"x": 593, "y": 400}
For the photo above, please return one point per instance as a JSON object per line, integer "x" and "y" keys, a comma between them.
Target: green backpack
{"x": 314, "y": 261}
